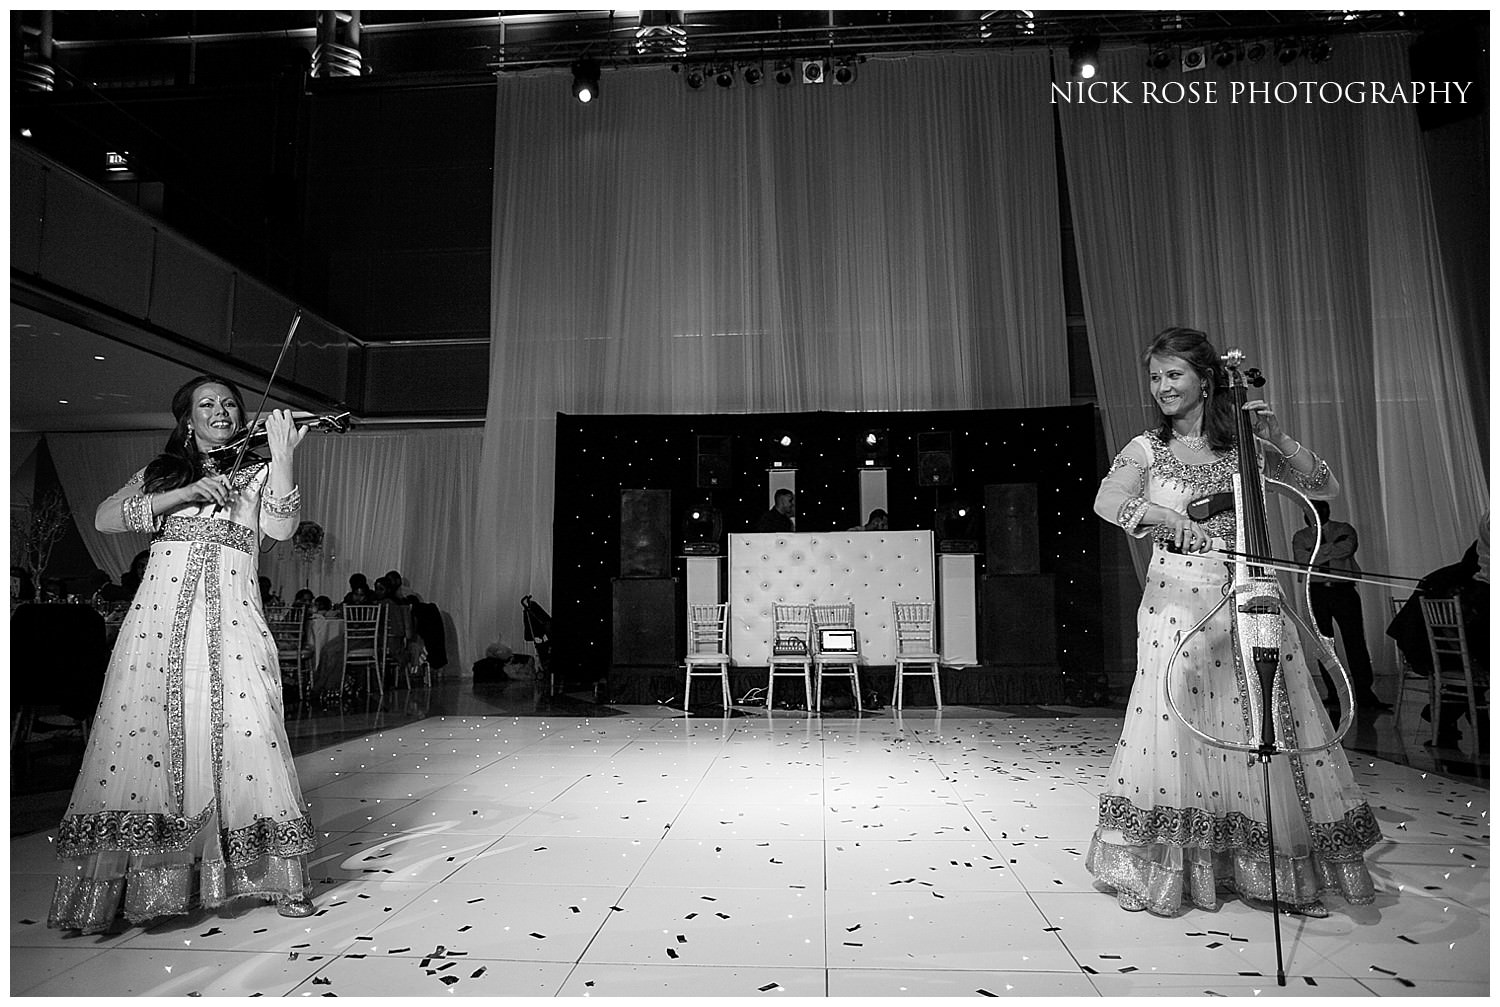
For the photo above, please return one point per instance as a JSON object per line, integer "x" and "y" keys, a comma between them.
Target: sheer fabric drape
{"x": 1302, "y": 233}
{"x": 401, "y": 500}
{"x": 887, "y": 245}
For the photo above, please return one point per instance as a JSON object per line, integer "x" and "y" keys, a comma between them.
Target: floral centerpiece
{"x": 307, "y": 541}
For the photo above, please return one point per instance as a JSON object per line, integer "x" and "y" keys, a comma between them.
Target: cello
{"x": 1260, "y": 616}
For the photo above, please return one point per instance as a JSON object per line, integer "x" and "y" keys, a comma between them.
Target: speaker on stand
{"x": 1019, "y": 599}
{"x": 645, "y": 593}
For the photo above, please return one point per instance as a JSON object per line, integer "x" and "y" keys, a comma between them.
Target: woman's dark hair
{"x": 180, "y": 462}
{"x": 1193, "y": 347}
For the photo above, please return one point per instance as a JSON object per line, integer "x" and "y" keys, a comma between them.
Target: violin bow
{"x": 1291, "y": 566}
{"x": 239, "y": 457}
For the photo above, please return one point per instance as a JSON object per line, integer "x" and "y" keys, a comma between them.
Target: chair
{"x": 916, "y": 647}
{"x": 707, "y": 649}
{"x": 1407, "y": 673}
{"x": 364, "y": 644}
{"x": 839, "y": 663}
{"x": 294, "y": 649}
{"x": 1452, "y": 671}
{"x": 791, "y": 632}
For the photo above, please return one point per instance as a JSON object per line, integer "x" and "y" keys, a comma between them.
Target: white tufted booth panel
{"x": 871, "y": 569}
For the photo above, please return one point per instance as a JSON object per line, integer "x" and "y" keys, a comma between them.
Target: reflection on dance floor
{"x": 510, "y": 853}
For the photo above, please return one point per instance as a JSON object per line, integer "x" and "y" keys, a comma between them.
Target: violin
{"x": 254, "y": 436}
{"x": 1255, "y": 592}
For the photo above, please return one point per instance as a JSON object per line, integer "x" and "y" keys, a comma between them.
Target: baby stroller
{"x": 537, "y": 625}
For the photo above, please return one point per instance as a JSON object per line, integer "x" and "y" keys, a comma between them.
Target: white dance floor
{"x": 764, "y": 857}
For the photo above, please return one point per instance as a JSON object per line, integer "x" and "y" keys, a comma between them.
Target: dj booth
{"x": 873, "y": 570}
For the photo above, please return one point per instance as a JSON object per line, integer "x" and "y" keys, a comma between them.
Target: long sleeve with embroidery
{"x": 1121, "y": 499}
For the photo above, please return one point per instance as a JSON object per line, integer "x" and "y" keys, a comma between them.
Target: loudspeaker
{"x": 715, "y": 468}
{"x": 645, "y": 533}
{"x": 1012, "y": 542}
{"x": 645, "y": 622}
{"x": 935, "y": 459}
{"x": 1019, "y": 623}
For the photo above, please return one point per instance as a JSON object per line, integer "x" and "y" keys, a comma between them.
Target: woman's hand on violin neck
{"x": 282, "y": 433}
{"x": 1188, "y": 535}
{"x": 1266, "y": 423}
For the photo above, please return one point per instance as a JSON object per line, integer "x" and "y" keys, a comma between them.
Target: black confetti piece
{"x": 362, "y": 956}
{"x": 210, "y": 932}
{"x": 617, "y": 909}
{"x": 986, "y": 993}
{"x": 1050, "y": 930}
{"x": 480, "y": 899}
{"x": 1377, "y": 968}
{"x": 478, "y": 972}
{"x": 854, "y": 944}
{"x": 722, "y": 916}
{"x": 421, "y": 964}
{"x": 1115, "y": 957}
{"x": 671, "y": 952}
{"x": 1214, "y": 944}
{"x": 466, "y": 926}
{"x": 768, "y": 987}
{"x": 540, "y": 937}
{"x": 309, "y": 945}
{"x": 445, "y": 966}
{"x": 1310, "y": 980}
{"x": 261, "y": 930}
{"x": 1403, "y": 937}
{"x": 396, "y": 951}
{"x": 1128, "y": 968}
{"x": 681, "y": 938}
{"x": 1089, "y": 970}
{"x": 448, "y": 980}
{"x": 575, "y": 909}
{"x": 854, "y": 928}
{"x": 1249, "y": 973}
{"x": 1405, "y": 982}
{"x": 319, "y": 981}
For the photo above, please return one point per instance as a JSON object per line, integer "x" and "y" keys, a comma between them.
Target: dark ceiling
{"x": 146, "y": 48}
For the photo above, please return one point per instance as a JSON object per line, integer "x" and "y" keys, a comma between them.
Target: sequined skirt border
{"x": 1165, "y": 876}
{"x": 90, "y": 903}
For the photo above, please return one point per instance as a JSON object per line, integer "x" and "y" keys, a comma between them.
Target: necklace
{"x": 1193, "y": 442}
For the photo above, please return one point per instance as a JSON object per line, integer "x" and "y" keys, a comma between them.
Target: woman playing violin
{"x": 1181, "y": 820}
{"x": 188, "y": 795}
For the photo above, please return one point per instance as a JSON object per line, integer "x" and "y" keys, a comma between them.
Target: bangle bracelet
{"x": 1294, "y": 454}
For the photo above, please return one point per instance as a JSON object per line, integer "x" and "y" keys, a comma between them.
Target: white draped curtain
{"x": 399, "y": 500}
{"x": 889, "y": 245}
{"x": 1302, "y": 233}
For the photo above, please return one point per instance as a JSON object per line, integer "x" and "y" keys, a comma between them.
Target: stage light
{"x": 694, "y": 77}
{"x": 586, "y": 80}
{"x": 1084, "y": 54}
{"x": 1255, "y": 52}
{"x": 812, "y": 71}
{"x": 873, "y": 449}
{"x": 1286, "y": 52}
{"x": 1194, "y": 58}
{"x": 784, "y": 71}
{"x": 753, "y": 73}
{"x": 1224, "y": 54}
{"x": 783, "y": 448}
{"x": 1160, "y": 58}
{"x": 843, "y": 70}
{"x": 1320, "y": 50}
{"x": 724, "y": 75}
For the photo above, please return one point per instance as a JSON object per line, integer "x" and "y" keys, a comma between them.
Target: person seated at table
{"x": 399, "y": 591}
{"x": 322, "y": 605}
{"x": 267, "y": 596}
{"x": 303, "y": 598}
{"x": 879, "y": 521}
{"x": 359, "y": 591}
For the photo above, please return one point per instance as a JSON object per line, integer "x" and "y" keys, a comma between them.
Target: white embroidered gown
{"x": 1179, "y": 818}
{"x": 188, "y": 794}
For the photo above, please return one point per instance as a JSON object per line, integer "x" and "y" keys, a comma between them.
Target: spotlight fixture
{"x": 1286, "y": 52}
{"x": 783, "y": 71}
{"x": 1160, "y": 58}
{"x": 873, "y": 449}
{"x": 1084, "y": 54}
{"x": 117, "y": 160}
{"x": 1255, "y": 52}
{"x": 1194, "y": 58}
{"x": 753, "y": 73}
{"x": 694, "y": 78}
{"x": 724, "y": 75}
{"x": 812, "y": 71}
{"x": 1320, "y": 50}
{"x": 586, "y": 80}
{"x": 843, "y": 70}
{"x": 1224, "y": 54}
{"x": 783, "y": 449}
